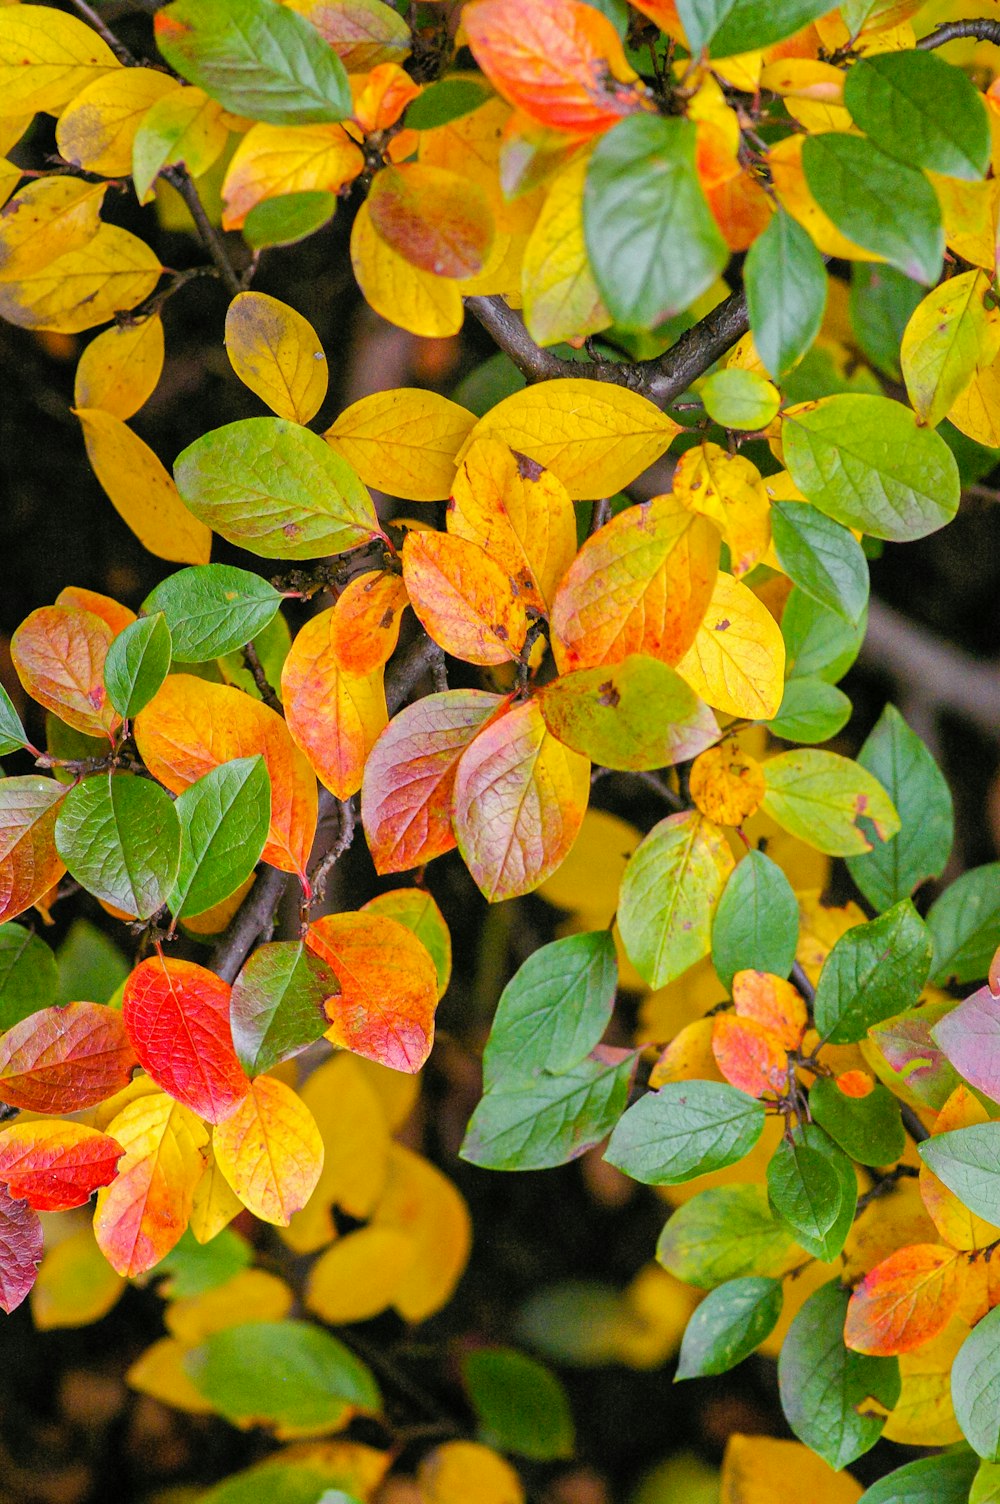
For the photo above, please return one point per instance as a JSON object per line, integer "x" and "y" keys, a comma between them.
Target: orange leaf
{"x": 54, "y": 1166}
{"x": 773, "y": 1003}
{"x": 63, "y": 1059}
{"x": 749, "y": 1055}
{"x": 366, "y": 617}
{"x": 112, "y": 612}
{"x": 438, "y": 221}
{"x": 465, "y": 599}
{"x": 59, "y": 655}
{"x": 904, "y": 1301}
{"x": 334, "y": 716}
{"x": 383, "y": 96}
{"x": 406, "y": 796}
{"x": 727, "y": 785}
{"x": 191, "y": 726}
{"x": 270, "y": 1151}
{"x": 640, "y": 585}
{"x": 520, "y": 799}
{"x": 855, "y": 1084}
{"x": 177, "y": 1017}
{"x": 29, "y": 862}
{"x": 388, "y": 988}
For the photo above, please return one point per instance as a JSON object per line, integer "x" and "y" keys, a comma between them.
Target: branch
{"x": 953, "y": 31}
{"x": 119, "y": 49}
{"x": 255, "y": 914}
{"x": 178, "y": 178}
{"x": 252, "y": 660}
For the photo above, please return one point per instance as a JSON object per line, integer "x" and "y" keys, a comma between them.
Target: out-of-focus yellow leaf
{"x": 689, "y": 1055}
{"x": 347, "y": 1465}
{"x": 757, "y": 1470}
{"x": 561, "y": 298}
{"x": 76, "y": 1285}
{"x": 460, "y": 1471}
{"x": 421, "y": 1202}
{"x": 251, "y": 1295}
{"x": 113, "y": 272}
{"x": 737, "y": 661}
{"x": 403, "y": 442}
{"x": 924, "y": 1415}
{"x": 97, "y": 130}
{"x": 159, "y": 1372}
{"x": 820, "y": 927}
{"x": 971, "y": 213}
{"x": 951, "y": 335}
{"x": 976, "y": 411}
{"x": 397, "y": 1092}
{"x": 359, "y": 1275}
{"x": 588, "y": 881}
{"x": 656, "y": 1308}
{"x": 119, "y": 370}
{"x": 184, "y": 126}
{"x": 272, "y": 160}
{"x": 47, "y": 58}
{"x": 418, "y": 301}
{"x": 275, "y": 352}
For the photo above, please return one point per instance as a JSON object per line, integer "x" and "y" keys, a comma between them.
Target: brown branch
{"x": 119, "y": 49}
{"x": 256, "y": 669}
{"x": 346, "y": 815}
{"x": 912, "y": 1124}
{"x": 954, "y": 31}
{"x": 178, "y": 178}
{"x": 254, "y": 916}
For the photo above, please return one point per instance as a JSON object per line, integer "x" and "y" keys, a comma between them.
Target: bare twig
{"x": 346, "y": 815}
{"x": 119, "y": 49}
{"x": 254, "y": 916}
{"x": 948, "y": 679}
{"x": 912, "y": 1124}
{"x": 953, "y": 31}
{"x": 178, "y": 178}
{"x": 252, "y": 660}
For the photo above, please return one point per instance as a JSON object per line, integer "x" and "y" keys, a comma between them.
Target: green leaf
{"x": 881, "y": 204}
{"x": 914, "y": 1066}
{"x": 192, "y": 1267}
{"x": 554, "y": 1009}
{"x": 810, "y": 711}
{"x": 929, "y": 1480}
{"x": 668, "y": 894}
{"x": 804, "y": 1189}
{"x": 985, "y": 1488}
{"x": 741, "y": 399}
{"x": 446, "y": 100}
{"x": 729, "y": 1324}
{"x": 819, "y": 643}
{"x": 866, "y": 463}
{"x": 904, "y": 767}
{"x": 288, "y": 218}
{"x": 965, "y": 926}
{"x": 756, "y": 924}
{"x": 725, "y": 1233}
{"x": 275, "y": 488}
{"x": 276, "y": 1008}
{"x": 827, "y": 1390}
{"x": 212, "y": 609}
{"x": 652, "y": 243}
{"x": 255, "y": 58}
{"x": 29, "y": 976}
{"x": 120, "y": 838}
{"x": 12, "y": 733}
{"x": 968, "y": 1162}
{"x": 869, "y": 1129}
{"x": 786, "y": 286}
{"x": 138, "y": 661}
{"x": 975, "y": 1385}
{"x": 91, "y": 967}
{"x": 970, "y": 1038}
{"x": 727, "y": 27}
{"x": 822, "y": 797}
{"x": 549, "y": 1120}
{"x": 281, "y": 1483}
{"x": 921, "y": 110}
{"x": 286, "y": 1373}
{"x": 272, "y": 647}
{"x": 224, "y": 818}
{"x": 822, "y": 557}
{"x": 521, "y": 1407}
{"x": 873, "y": 971}
{"x": 685, "y": 1129}
{"x": 882, "y": 300}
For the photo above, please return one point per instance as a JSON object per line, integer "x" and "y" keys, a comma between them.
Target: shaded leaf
{"x": 276, "y": 1007}
{"x": 520, "y": 1405}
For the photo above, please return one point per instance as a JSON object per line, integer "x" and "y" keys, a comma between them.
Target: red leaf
{"x": 55, "y": 1166}
{"x": 905, "y": 1300}
{"x": 749, "y": 1055}
{"x": 435, "y": 219}
{"x": 65, "y": 1058}
{"x": 29, "y": 862}
{"x": 20, "y": 1250}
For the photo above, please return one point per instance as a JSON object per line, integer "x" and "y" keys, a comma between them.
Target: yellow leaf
{"x": 335, "y": 717}
{"x": 159, "y": 1372}
{"x": 141, "y": 491}
{"x": 76, "y": 1285}
{"x": 270, "y": 1151}
{"x": 46, "y": 58}
{"x": 587, "y": 883}
{"x": 792, "y": 190}
{"x": 595, "y": 436}
{"x": 820, "y": 927}
{"x": 97, "y": 130}
{"x": 971, "y": 212}
{"x": 403, "y": 442}
{"x": 471, "y": 146}
{"x": 251, "y": 1295}
{"x": 272, "y": 160}
{"x": 737, "y": 661}
{"x": 113, "y": 272}
{"x": 460, "y": 1471}
{"x": 415, "y": 300}
{"x": 119, "y": 370}
{"x": 10, "y": 176}
{"x": 924, "y": 1415}
{"x": 757, "y": 1470}
{"x": 47, "y": 219}
{"x": 12, "y": 128}
{"x": 275, "y": 352}
{"x": 976, "y": 411}
{"x": 950, "y": 335}
{"x": 656, "y": 1308}
{"x": 348, "y": 1465}
{"x": 215, "y": 1203}
{"x": 360, "y": 1274}
{"x": 421, "y": 1202}
{"x": 184, "y": 126}
{"x": 727, "y": 785}
{"x": 728, "y": 490}
{"x": 561, "y": 298}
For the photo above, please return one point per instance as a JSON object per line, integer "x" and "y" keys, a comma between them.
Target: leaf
{"x": 975, "y": 1384}
{"x": 55, "y": 1166}
{"x": 641, "y": 584}
{"x": 64, "y": 1059}
{"x": 403, "y": 442}
{"x": 729, "y": 1324}
{"x": 804, "y": 1189}
{"x": 872, "y": 972}
{"x": 212, "y": 609}
{"x": 864, "y": 461}
{"x": 46, "y": 219}
{"x": 786, "y": 288}
{"x": 594, "y": 436}
{"x": 459, "y": 1470}
{"x": 275, "y": 352}
{"x": 256, "y": 59}
{"x": 406, "y": 794}
{"x": 364, "y": 628}
{"x": 725, "y": 1233}
{"x": 416, "y": 909}
{"x": 224, "y": 818}
{"x": 137, "y": 664}
{"x": 554, "y": 1010}
{"x": 335, "y": 717}
{"x": 520, "y": 1405}
{"x": 12, "y": 733}
{"x": 29, "y": 977}
{"x": 882, "y": 302}
{"x": 519, "y": 800}
{"x": 905, "y": 1301}
{"x": 363, "y": 33}
{"x": 756, "y": 923}
{"x": 668, "y": 895}
{"x": 20, "y": 1247}
{"x": 737, "y": 398}
{"x": 276, "y": 1008}
{"x": 384, "y": 1010}
{"x": 727, "y": 785}
{"x": 59, "y": 654}
{"x": 821, "y": 798}
{"x": 293, "y": 174}
{"x": 943, "y": 1479}
{"x": 821, "y": 557}
{"x": 275, "y": 488}
{"x": 915, "y": 1067}
{"x": 905, "y": 768}
{"x": 868, "y": 1129}
{"x": 637, "y": 714}
{"x": 192, "y": 1269}
{"x": 728, "y": 490}
{"x": 76, "y": 1285}
{"x": 922, "y": 110}
{"x": 750, "y": 1055}
{"x": 418, "y": 301}
{"x": 141, "y": 491}
{"x": 143, "y": 1213}
{"x": 464, "y": 599}
{"x": 730, "y": 26}
{"x": 96, "y": 131}
{"x": 29, "y": 862}
{"x": 536, "y": 1123}
{"x": 736, "y": 661}
{"x": 968, "y": 1035}
{"x": 191, "y": 727}
{"x": 652, "y": 243}
{"x": 270, "y": 1151}
{"x": 437, "y": 221}
{"x": 954, "y": 1222}
{"x": 834, "y": 1400}
{"x": 818, "y": 642}
{"x": 356, "y": 1277}
{"x": 561, "y": 297}
{"x": 810, "y": 711}
{"x": 951, "y": 335}
{"x": 85, "y": 287}
{"x": 120, "y": 838}
{"x": 46, "y": 60}
{"x": 756, "y": 1468}
{"x": 445, "y": 100}
{"x": 289, "y": 1374}
{"x": 185, "y": 126}
{"x": 686, "y": 1129}
{"x": 422, "y": 1202}
{"x": 964, "y": 923}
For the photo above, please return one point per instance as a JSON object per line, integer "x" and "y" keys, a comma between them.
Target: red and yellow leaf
{"x": 272, "y": 160}
{"x": 334, "y": 716}
{"x": 905, "y": 1300}
{"x": 112, "y": 612}
{"x": 66, "y": 1058}
{"x": 20, "y": 1249}
{"x": 366, "y": 618}
{"x": 270, "y": 1151}
{"x": 749, "y": 1055}
{"x": 435, "y": 219}
{"x": 728, "y": 489}
{"x": 29, "y": 862}
{"x": 464, "y": 598}
{"x": 59, "y": 655}
{"x": 55, "y": 1166}
{"x": 773, "y": 1003}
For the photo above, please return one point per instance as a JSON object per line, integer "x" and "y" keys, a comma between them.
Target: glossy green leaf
{"x": 668, "y": 895}
{"x": 866, "y": 463}
{"x": 975, "y": 1386}
{"x": 138, "y": 661}
{"x": 224, "y": 817}
{"x": 922, "y": 110}
{"x": 256, "y": 58}
{"x": 804, "y": 1190}
{"x": 882, "y": 301}
{"x": 120, "y": 838}
{"x": 810, "y": 711}
{"x": 929, "y": 1480}
{"x": 554, "y": 1009}
{"x": 821, "y": 556}
{"x": 726, "y": 27}
{"x": 12, "y": 733}
{"x": 288, "y": 218}
{"x": 520, "y": 1405}
{"x": 652, "y": 243}
{"x": 736, "y": 398}
{"x": 910, "y": 1063}
{"x": 968, "y": 1161}
{"x": 915, "y": 784}
{"x": 786, "y": 287}
{"x": 729, "y": 1324}
{"x": 822, "y": 797}
{"x": 275, "y": 488}
{"x": 874, "y": 971}
{"x": 965, "y": 926}
{"x": 826, "y": 1390}
{"x": 276, "y": 1007}
{"x": 212, "y": 609}
{"x": 91, "y": 967}
{"x": 29, "y": 976}
{"x": 819, "y": 643}
{"x": 685, "y": 1129}
{"x": 756, "y": 925}
{"x": 445, "y": 100}
{"x": 869, "y": 1129}
{"x": 192, "y": 1268}
{"x": 725, "y": 1233}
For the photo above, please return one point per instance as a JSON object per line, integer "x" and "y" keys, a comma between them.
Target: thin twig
{"x": 600, "y": 514}
{"x": 346, "y": 815}
{"x": 912, "y": 1124}
{"x": 252, "y": 919}
{"x": 954, "y": 31}
{"x": 252, "y": 660}
{"x": 179, "y": 178}
{"x": 119, "y": 49}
